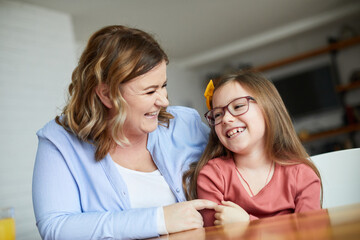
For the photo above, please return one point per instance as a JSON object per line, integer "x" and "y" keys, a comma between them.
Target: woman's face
{"x": 241, "y": 134}
{"x": 145, "y": 96}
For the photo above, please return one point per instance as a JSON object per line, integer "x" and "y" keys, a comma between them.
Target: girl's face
{"x": 242, "y": 134}
{"x": 145, "y": 96}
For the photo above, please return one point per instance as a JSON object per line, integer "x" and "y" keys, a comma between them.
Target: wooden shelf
{"x": 347, "y": 87}
{"x": 330, "y": 133}
{"x": 313, "y": 53}
{"x": 305, "y": 138}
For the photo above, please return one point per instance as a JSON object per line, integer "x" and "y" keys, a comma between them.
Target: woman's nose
{"x": 162, "y": 99}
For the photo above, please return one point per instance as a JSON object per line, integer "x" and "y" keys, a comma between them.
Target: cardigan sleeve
{"x": 210, "y": 185}
{"x": 308, "y": 189}
{"x": 59, "y": 209}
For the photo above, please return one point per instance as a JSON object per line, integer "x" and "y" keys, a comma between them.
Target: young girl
{"x": 254, "y": 165}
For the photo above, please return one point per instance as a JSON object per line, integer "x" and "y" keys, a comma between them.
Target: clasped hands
{"x": 230, "y": 212}
{"x": 184, "y": 216}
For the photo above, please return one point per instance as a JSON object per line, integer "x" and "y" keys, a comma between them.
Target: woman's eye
{"x": 151, "y": 92}
{"x": 165, "y": 85}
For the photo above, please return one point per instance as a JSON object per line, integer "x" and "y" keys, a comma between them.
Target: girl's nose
{"x": 227, "y": 117}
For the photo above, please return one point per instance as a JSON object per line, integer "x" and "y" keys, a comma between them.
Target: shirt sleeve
{"x": 58, "y": 206}
{"x": 210, "y": 185}
{"x": 308, "y": 190}
{"x": 161, "y": 221}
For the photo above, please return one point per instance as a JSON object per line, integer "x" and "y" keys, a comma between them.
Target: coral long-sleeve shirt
{"x": 294, "y": 188}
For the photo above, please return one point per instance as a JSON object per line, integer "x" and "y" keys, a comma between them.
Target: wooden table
{"x": 334, "y": 223}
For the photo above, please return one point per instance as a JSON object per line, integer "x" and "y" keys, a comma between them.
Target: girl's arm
{"x": 210, "y": 186}
{"x": 230, "y": 212}
{"x": 308, "y": 190}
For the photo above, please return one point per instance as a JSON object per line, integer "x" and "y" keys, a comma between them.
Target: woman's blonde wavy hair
{"x": 113, "y": 55}
{"x": 282, "y": 143}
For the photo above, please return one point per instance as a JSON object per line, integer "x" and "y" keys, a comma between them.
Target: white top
{"x": 148, "y": 189}
{"x": 78, "y": 188}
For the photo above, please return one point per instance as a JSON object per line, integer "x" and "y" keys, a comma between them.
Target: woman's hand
{"x": 230, "y": 212}
{"x": 184, "y": 215}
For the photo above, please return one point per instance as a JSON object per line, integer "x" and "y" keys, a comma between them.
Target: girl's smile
{"x": 235, "y": 132}
{"x": 240, "y": 134}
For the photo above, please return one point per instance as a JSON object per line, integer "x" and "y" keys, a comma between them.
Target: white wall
{"x": 184, "y": 87}
{"x": 36, "y": 61}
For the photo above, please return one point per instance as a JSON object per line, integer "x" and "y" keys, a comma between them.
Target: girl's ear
{"x": 102, "y": 90}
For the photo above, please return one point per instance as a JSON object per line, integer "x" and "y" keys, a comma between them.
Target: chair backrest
{"x": 340, "y": 173}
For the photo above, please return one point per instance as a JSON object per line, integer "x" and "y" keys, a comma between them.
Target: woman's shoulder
{"x": 183, "y": 112}
{"x": 51, "y": 127}
{"x": 186, "y": 121}
{"x": 54, "y": 131}
{"x": 65, "y": 141}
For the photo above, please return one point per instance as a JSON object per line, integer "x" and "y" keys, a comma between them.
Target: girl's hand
{"x": 230, "y": 212}
{"x": 184, "y": 215}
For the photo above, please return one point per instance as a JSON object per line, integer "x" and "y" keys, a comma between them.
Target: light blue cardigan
{"x": 76, "y": 197}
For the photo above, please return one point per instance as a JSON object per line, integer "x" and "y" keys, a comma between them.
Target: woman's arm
{"x": 63, "y": 193}
{"x": 59, "y": 206}
{"x": 184, "y": 216}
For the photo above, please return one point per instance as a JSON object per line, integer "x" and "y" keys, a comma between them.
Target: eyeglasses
{"x": 236, "y": 107}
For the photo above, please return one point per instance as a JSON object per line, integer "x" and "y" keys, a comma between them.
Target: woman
{"x": 110, "y": 165}
{"x": 254, "y": 164}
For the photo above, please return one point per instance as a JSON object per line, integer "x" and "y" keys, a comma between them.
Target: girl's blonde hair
{"x": 281, "y": 141}
{"x": 113, "y": 55}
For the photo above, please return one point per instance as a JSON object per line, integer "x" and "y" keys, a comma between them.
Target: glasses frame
{"x": 248, "y": 98}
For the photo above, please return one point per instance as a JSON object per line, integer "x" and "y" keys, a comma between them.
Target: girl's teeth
{"x": 234, "y": 131}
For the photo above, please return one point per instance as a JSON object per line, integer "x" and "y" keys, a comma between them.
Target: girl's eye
{"x": 151, "y": 92}
{"x": 238, "y": 106}
{"x": 217, "y": 115}
{"x": 165, "y": 85}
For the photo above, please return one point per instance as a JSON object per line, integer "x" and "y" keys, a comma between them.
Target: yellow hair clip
{"x": 209, "y": 93}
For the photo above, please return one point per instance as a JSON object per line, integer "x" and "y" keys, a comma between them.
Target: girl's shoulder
{"x": 299, "y": 171}
{"x": 218, "y": 165}
{"x": 296, "y": 167}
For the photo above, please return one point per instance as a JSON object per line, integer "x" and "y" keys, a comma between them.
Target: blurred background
{"x": 310, "y": 49}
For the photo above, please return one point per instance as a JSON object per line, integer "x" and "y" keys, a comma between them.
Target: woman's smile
{"x": 152, "y": 114}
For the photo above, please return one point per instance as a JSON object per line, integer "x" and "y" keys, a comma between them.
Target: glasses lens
{"x": 209, "y": 118}
{"x": 238, "y": 106}
{"x": 215, "y": 116}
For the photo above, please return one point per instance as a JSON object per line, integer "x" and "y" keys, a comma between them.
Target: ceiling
{"x": 196, "y": 31}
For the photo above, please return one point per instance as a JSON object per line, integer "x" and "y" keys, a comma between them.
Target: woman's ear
{"x": 102, "y": 90}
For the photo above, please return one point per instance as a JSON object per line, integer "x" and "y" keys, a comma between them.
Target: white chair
{"x": 340, "y": 173}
